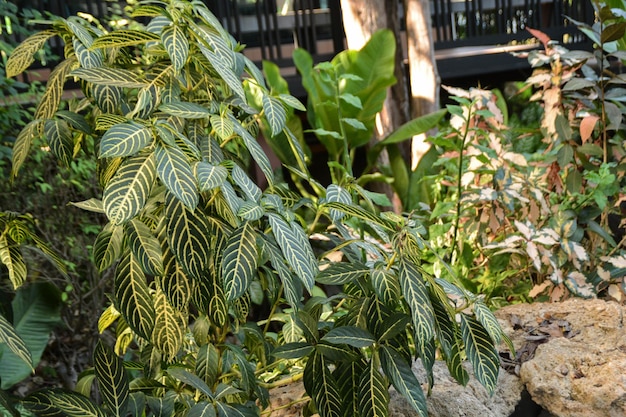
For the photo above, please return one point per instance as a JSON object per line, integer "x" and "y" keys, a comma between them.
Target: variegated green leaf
{"x": 240, "y": 261}
{"x": 249, "y": 188}
{"x": 185, "y": 110}
{"x": 416, "y": 295}
{"x": 188, "y": 237}
{"x": 337, "y": 194}
{"x": 294, "y": 350}
{"x": 349, "y": 335}
{"x": 448, "y": 335}
{"x": 176, "y": 44}
{"x": 323, "y": 387}
{"x": 251, "y": 211}
{"x": 246, "y": 369}
{"x": 24, "y": 54}
{"x": 174, "y": 282}
{"x": 227, "y": 74}
{"x": 117, "y": 77}
{"x": 291, "y": 287}
{"x": 403, "y": 379}
{"x": 49, "y": 102}
{"x": 358, "y": 212}
{"x": 108, "y": 98}
{"x": 342, "y": 272}
{"x": 124, "y": 139}
{"x": 169, "y": 329}
{"x": 256, "y": 151}
{"x": 22, "y": 144}
{"x": 108, "y": 246}
{"x": 481, "y": 352}
{"x": 207, "y": 364}
{"x": 75, "y": 121}
{"x": 348, "y": 377}
{"x": 86, "y": 57}
{"x": 373, "y": 393}
{"x": 391, "y": 326}
{"x": 202, "y": 409}
{"x": 112, "y": 379}
{"x": 107, "y": 121}
{"x": 291, "y": 101}
{"x": 296, "y": 249}
{"x": 124, "y": 37}
{"x": 219, "y": 46}
{"x": 76, "y": 27}
{"x": 11, "y": 257}
{"x": 222, "y": 126}
{"x": 60, "y": 140}
{"x": 133, "y": 297}
{"x": 386, "y": 286}
{"x": 174, "y": 170}
{"x": 13, "y": 341}
{"x": 127, "y": 192}
{"x": 275, "y": 114}
{"x": 488, "y": 320}
{"x": 210, "y": 176}
{"x": 55, "y": 402}
{"x": 144, "y": 246}
{"x": 190, "y": 379}
{"x": 7, "y": 405}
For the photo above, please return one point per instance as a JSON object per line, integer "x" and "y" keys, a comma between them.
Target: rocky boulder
{"x": 571, "y": 356}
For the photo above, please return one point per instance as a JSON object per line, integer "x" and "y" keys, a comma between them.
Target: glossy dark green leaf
{"x": 169, "y": 326}
{"x": 373, "y": 393}
{"x": 60, "y": 140}
{"x": 342, "y": 272}
{"x": 55, "y": 402}
{"x": 324, "y": 392}
{"x": 190, "y": 379}
{"x": 207, "y": 364}
{"x": 112, "y": 379}
{"x": 349, "y": 335}
{"x": 174, "y": 170}
{"x": 403, "y": 379}
{"x": 124, "y": 139}
{"x": 481, "y": 352}
{"x": 239, "y": 263}
{"x": 145, "y": 246}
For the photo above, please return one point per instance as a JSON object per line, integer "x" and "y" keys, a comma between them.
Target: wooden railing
{"x": 464, "y": 30}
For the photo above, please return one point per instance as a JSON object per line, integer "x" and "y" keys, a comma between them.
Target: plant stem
{"x": 273, "y": 310}
{"x": 459, "y": 183}
{"x": 283, "y": 381}
{"x": 282, "y": 407}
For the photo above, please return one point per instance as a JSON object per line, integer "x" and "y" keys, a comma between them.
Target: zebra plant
{"x": 195, "y": 241}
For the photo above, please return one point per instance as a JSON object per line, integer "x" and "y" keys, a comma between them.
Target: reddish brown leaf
{"x": 587, "y": 124}
{"x": 543, "y": 38}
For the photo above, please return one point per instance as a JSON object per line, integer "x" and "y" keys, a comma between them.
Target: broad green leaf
{"x": 36, "y": 312}
{"x": 12, "y": 259}
{"x": 60, "y": 140}
{"x": 358, "y": 212}
{"x": 202, "y": 409}
{"x": 117, "y": 77}
{"x": 355, "y": 123}
{"x": 144, "y": 246}
{"x": 373, "y": 393}
{"x": 222, "y": 126}
{"x": 55, "y": 402}
{"x": 256, "y": 151}
{"x": 188, "y": 237}
{"x": 185, "y": 110}
{"x": 22, "y": 144}
{"x": 293, "y": 350}
{"x": 190, "y": 379}
{"x": 416, "y": 295}
{"x": 124, "y": 139}
{"x": 324, "y": 392}
{"x": 274, "y": 114}
{"x": 392, "y": 326}
{"x": 296, "y": 249}
{"x": 239, "y": 263}
{"x": 49, "y": 102}
{"x": 414, "y": 127}
{"x": 127, "y": 192}
{"x": 342, "y": 273}
{"x": 107, "y": 97}
{"x": 348, "y": 377}
{"x": 169, "y": 328}
{"x": 174, "y": 282}
{"x": 86, "y": 57}
{"x": 207, "y": 364}
{"x": 403, "y": 379}
{"x": 174, "y": 170}
{"x": 112, "y": 379}
{"x": 243, "y": 181}
{"x": 24, "y": 54}
{"x": 351, "y": 99}
{"x": 14, "y": 342}
{"x": 349, "y": 335}
{"x": 124, "y": 37}
{"x": 251, "y": 211}
{"x": 132, "y": 296}
{"x": 291, "y": 101}
{"x": 386, "y": 286}
{"x": 481, "y": 352}
{"x": 108, "y": 246}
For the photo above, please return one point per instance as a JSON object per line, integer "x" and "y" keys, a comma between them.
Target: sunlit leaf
{"x": 342, "y": 272}
{"x": 169, "y": 329}
{"x": 274, "y": 114}
{"x": 24, "y": 54}
{"x": 124, "y": 139}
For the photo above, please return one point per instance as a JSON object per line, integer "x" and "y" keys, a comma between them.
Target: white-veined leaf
{"x": 342, "y": 273}
{"x": 188, "y": 237}
{"x": 207, "y": 364}
{"x": 174, "y": 170}
{"x": 127, "y": 192}
{"x": 349, "y": 335}
{"x": 86, "y": 57}
{"x": 274, "y": 114}
{"x": 60, "y": 140}
{"x": 174, "y": 282}
{"x": 358, "y": 212}
{"x": 373, "y": 393}
{"x": 124, "y": 139}
{"x": 386, "y": 286}
{"x": 324, "y": 390}
{"x": 190, "y": 379}
{"x": 124, "y": 37}
{"x": 22, "y": 144}
{"x": 226, "y": 72}
{"x": 337, "y": 194}
{"x": 210, "y": 176}
{"x": 249, "y": 210}
{"x": 112, "y": 379}
{"x": 145, "y": 246}
{"x": 108, "y": 246}
{"x": 110, "y": 76}
{"x": 249, "y": 188}
{"x": 256, "y": 151}
{"x": 481, "y": 352}
{"x": 202, "y": 409}
{"x": 55, "y": 402}
{"x": 107, "y": 97}
{"x": 185, "y": 110}
{"x": 169, "y": 328}
{"x": 24, "y": 54}
{"x": 416, "y": 295}
{"x": 294, "y": 350}
{"x": 49, "y": 102}
{"x": 403, "y": 379}
{"x": 239, "y": 262}
{"x": 14, "y": 342}
{"x": 132, "y": 296}
{"x": 296, "y": 249}
{"x": 11, "y": 257}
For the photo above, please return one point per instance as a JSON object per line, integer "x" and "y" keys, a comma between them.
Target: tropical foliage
{"x": 196, "y": 244}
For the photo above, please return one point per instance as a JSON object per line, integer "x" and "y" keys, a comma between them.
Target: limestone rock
{"x": 579, "y": 367}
